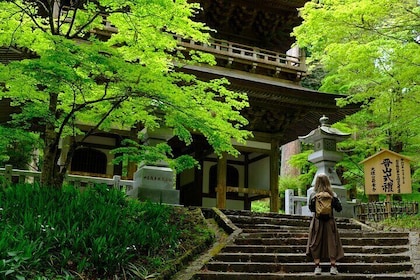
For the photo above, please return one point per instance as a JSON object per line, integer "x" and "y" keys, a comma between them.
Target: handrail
{"x": 24, "y": 175}
{"x": 244, "y": 52}
{"x": 294, "y": 204}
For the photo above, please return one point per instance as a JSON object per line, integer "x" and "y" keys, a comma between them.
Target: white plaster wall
{"x": 206, "y": 175}
{"x": 259, "y": 174}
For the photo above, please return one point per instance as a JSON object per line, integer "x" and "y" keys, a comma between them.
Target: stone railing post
{"x": 117, "y": 182}
{"x": 289, "y": 206}
{"x": 8, "y": 173}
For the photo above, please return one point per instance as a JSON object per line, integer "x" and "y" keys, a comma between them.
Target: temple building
{"x": 255, "y": 52}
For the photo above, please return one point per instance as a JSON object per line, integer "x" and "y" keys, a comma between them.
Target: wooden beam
{"x": 248, "y": 190}
{"x": 251, "y": 150}
{"x": 221, "y": 182}
{"x": 274, "y": 177}
{"x": 247, "y": 201}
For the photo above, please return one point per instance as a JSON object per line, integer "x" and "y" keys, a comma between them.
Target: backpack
{"x": 323, "y": 205}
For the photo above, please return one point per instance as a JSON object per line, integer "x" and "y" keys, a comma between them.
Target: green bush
{"x": 46, "y": 231}
{"x": 403, "y": 222}
{"x": 262, "y": 205}
{"x": 17, "y": 147}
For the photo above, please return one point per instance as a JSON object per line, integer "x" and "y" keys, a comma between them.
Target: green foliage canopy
{"x": 370, "y": 50}
{"x": 113, "y": 64}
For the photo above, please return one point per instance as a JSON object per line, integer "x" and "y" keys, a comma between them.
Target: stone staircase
{"x": 272, "y": 246}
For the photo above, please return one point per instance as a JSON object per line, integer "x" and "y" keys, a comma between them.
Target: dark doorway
{"x": 89, "y": 160}
{"x": 232, "y": 180}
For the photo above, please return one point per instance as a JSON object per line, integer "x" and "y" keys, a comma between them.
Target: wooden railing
{"x": 253, "y": 56}
{"x": 243, "y": 53}
{"x": 373, "y": 211}
{"x": 298, "y": 205}
{"x": 27, "y": 176}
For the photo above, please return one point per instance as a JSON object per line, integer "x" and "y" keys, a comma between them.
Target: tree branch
{"x": 28, "y": 13}
{"x": 116, "y": 104}
{"x": 73, "y": 19}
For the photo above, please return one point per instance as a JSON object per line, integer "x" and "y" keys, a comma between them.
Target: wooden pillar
{"x": 247, "y": 201}
{"x": 131, "y": 169}
{"x": 388, "y": 206}
{"x": 221, "y": 182}
{"x": 287, "y": 151}
{"x": 274, "y": 176}
{"x": 195, "y": 194}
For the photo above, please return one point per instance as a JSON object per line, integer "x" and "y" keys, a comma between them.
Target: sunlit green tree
{"x": 111, "y": 63}
{"x": 370, "y": 51}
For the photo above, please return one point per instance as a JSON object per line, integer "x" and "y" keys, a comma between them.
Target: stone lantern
{"x": 325, "y": 157}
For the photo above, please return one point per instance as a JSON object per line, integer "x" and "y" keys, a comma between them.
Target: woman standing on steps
{"x": 324, "y": 241}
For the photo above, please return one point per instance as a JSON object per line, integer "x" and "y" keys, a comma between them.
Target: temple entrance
{"x": 89, "y": 160}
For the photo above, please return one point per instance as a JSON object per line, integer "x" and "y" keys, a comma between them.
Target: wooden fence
{"x": 26, "y": 176}
{"x": 247, "y": 54}
{"x": 377, "y": 211}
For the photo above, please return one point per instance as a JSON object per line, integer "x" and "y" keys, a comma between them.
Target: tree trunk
{"x": 50, "y": 176}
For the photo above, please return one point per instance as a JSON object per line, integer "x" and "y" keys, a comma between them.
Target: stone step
{"x": 299, "y": 257}
{"x": 302, "y": 249}
{"x": 271, "y": 227}
{"x": 274, "y": 216}
{"x": 308, "y": 267}
{"x": 244, "y": 220}
{"x": 279, "y": 228}
{"x": 231, "y": 212}
{"x": 268, "y": 229}
{"x": 301, "y": 276}
{"x": 343, "y": 234}
{"x": 368, "y": 241}
{"x": 261, "y": 222}
{"x": 272, "y": 246}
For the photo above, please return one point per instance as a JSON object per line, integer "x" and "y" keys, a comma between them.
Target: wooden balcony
{"x": 229, "y": 54}
{"x": 253, "y": 59}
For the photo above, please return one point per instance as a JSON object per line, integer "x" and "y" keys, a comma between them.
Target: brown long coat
{"x": 324, "y": 240}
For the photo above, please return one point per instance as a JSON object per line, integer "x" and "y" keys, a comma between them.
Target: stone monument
{"x": 156, "y": 182}
{"x": 325, "y": 157}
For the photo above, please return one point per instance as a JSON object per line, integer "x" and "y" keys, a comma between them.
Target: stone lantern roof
{"x": 324, "y": 131}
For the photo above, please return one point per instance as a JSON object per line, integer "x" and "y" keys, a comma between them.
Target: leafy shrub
{"x": 403, "y": 222}
{"x": 262, "y": 205}
{"x": 98, "y": 231}
{"x": 17, "y": 147}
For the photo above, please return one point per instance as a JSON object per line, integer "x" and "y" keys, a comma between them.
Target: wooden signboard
{"x": 387, "y": 173}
